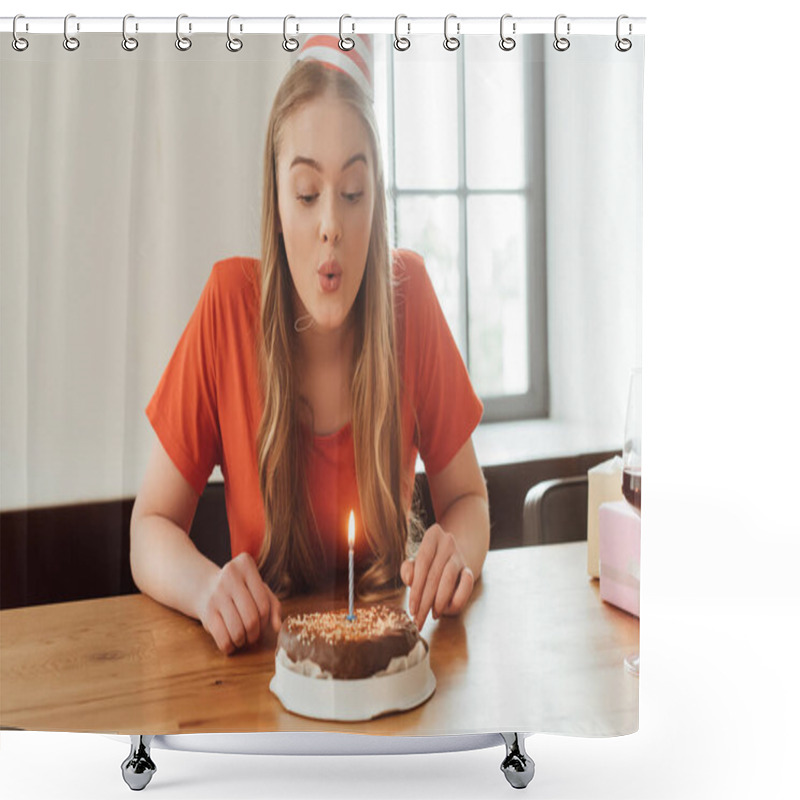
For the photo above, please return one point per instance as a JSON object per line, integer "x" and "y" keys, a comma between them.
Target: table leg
{"x": 138, "y": 768}
{"x": 518, "y": 766}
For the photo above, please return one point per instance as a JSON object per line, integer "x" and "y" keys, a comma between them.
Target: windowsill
{"x": 499, "y": 443}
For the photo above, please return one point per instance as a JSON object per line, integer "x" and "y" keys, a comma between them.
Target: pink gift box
{"x": 620, "y": 541}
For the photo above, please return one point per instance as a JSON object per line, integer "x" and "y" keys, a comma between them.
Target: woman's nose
{"x": 330, "y": 224}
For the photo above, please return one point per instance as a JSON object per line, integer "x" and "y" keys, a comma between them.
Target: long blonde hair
{"x": 291, "y": 557}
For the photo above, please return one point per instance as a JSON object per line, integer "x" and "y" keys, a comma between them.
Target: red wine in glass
{"x": 632, "y": 487}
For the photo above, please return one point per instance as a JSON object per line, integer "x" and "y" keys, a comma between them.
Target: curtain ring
{"x": 233, "y": 44}
{"x": 70, "y": 42}
{"x": 623, "y": 45}
{"x": 290, "y": 44}
{"x": 345, "y": 42}
{"x": 183, "y": 43}
{"x": 17, "y": 42}
{"x": 401, "y": 42}
{"x": 451, "y": 42}
{"x": 506, "y": 42}
{"x": 561, "y": 43}
{"x": 129, "y": 43}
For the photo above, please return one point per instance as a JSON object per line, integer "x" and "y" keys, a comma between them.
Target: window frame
{"x": 533, "y": 404}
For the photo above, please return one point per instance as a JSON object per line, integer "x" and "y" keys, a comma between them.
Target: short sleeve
{"x": 183, "y": 410}
{"x": 446, "y": 406}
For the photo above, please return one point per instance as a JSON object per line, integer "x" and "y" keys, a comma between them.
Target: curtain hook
{"x": 290, "y": 44}
{"x": 233, "y": 44}
{"x": 345, "y": 42}
{"x": 506, "y": 42}
{"x": 401, "y": 43}
{"x": 561, "y": 43}
{"x": 17, "y": 42}
{"x": 70, "y": 42}
{"x": 129, "y": 43}
{"x": 623, "y": 45}
{"x": 451, "y": 42}
{"x": 183, "y": 43}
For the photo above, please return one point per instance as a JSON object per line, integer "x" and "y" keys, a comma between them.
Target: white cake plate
{"x": 354, "y": 700}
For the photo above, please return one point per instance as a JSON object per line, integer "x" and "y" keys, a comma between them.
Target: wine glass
{"x": 632, "y": 467}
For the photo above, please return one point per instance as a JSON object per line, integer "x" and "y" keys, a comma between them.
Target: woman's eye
{"x": 307, "y": 199}
{"x": 352, "y": 197}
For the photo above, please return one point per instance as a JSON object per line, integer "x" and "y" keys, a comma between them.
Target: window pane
{"x": 498, "y": 316}
{"x": 426, "y": 123}
{"x": 428, "y": 225}
{"x": 495, "y": 115}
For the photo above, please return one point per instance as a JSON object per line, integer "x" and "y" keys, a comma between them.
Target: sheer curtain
{"x": 121, "y": 186}
{"x": 593, "y": 120}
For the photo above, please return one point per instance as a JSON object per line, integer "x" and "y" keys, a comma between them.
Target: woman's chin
{"x": 328, "y": 322}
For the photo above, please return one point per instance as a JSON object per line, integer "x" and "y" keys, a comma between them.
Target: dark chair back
{"x": 556, "y": 511}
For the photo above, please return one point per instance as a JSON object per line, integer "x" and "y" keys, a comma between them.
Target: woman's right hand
{"x": 238, "y": 605}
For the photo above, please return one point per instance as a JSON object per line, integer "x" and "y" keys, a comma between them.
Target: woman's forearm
{"x": 468, "y": 520}
{"x": 167, "y": 566}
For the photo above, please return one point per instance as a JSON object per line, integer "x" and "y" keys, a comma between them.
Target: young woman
{"x": 314, "y": 377}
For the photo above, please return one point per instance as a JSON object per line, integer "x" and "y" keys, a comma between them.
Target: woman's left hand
{"x": 439, "y": 579}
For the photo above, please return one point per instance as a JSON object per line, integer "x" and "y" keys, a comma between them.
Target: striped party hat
{"x": 356, "y": 62}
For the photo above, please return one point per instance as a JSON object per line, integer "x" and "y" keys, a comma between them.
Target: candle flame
{"x": 351, "y": 530}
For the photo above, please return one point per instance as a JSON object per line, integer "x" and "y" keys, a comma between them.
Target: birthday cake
{"x": 328, "y": 645}
{"x": 329, "y": 667}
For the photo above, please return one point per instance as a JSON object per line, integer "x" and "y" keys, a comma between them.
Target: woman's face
{"x": 325, "y": 201}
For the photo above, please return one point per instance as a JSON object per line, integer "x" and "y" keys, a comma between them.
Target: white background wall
{"x": 720, "y": 604}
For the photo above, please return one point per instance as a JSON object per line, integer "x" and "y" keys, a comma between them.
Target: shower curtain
{"x": 513, "y": 176}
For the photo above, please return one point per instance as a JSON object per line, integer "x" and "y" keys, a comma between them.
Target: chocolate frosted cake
{"x": 381, "y": 640}
{"x": 327, "y": 667}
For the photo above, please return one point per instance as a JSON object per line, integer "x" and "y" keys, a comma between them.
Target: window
{"x": 464, "y": 166}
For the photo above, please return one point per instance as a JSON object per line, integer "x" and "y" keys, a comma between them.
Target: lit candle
{"x": 351, "y": 541}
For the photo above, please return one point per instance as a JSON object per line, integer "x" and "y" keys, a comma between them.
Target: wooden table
{"x": 536, "y": 650}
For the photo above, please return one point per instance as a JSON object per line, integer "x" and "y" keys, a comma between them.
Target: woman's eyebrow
{"x": 316, "y": 165}
{"x": 352, "y": 160}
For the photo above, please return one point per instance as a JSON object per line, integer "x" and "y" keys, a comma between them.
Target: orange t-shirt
{"x": 207, "y": 407}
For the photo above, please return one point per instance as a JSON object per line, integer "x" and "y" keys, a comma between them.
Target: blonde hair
{"x": 291, "y": 557}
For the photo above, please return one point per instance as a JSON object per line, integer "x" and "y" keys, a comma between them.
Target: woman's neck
{"x": 324, "y": 374}
{"x": 326, "y": 347}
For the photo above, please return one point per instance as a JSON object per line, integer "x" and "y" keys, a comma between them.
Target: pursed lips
{"x": 330, "y": 268}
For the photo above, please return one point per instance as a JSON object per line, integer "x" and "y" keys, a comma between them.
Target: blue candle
{"x": 351, "y": 540}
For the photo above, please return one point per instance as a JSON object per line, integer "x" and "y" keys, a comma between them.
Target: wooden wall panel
{"x": 77, "y": 552}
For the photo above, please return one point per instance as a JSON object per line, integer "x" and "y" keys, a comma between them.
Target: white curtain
{"x": 593, "y": 120}
{"x": 123, "y": 181}
{"x": 126, "y": 175}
